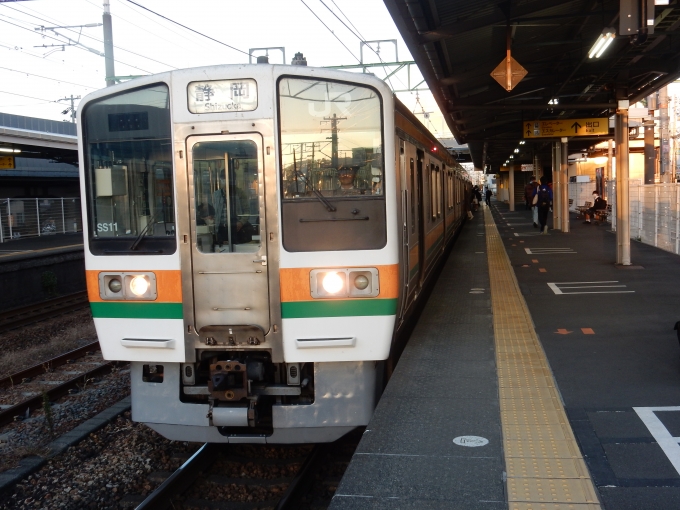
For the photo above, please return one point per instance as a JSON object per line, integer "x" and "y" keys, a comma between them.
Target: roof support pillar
{"x": 564, "y": 185}
{"x": 622, "y": 194}
{"x": 556, "y": 168}
{"x": 511, "y": 187}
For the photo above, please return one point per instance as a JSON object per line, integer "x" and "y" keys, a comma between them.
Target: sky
{"x": 38, "y": 73}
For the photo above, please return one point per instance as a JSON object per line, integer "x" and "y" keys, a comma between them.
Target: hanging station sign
{"x": 218, "y": 96}
{"x": 567, "y": 127}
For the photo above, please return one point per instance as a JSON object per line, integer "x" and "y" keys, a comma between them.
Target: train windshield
{"x": 128, "y": 169}
{"x": 331, "y": 160}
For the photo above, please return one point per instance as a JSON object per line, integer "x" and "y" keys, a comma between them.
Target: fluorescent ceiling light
{"x": 7, "y": 149}
{"x": 602, "y": 43}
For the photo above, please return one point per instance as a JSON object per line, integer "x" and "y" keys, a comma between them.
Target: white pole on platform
{"x": 564, "y": 184}
{"x": 622, "y": 193}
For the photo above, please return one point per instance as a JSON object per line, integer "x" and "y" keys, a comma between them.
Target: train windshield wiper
{"x": 142, "y": 233}
{"x": 306, "y": 182}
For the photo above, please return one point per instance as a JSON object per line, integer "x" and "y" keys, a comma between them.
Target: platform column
{"x": 557, "y": 164}
{"x": 564, "y": 185}
{"x": 622, "y": 195}
{"x": 511, "y": 187}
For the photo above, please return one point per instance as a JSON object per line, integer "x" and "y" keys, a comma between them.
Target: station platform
{"x": 29, "y": 247}
{"x": 540, "y": 375}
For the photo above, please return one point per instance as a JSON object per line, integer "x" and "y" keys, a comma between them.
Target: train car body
{"x": 255, "y": 237}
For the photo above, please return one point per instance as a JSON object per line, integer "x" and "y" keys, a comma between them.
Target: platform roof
{"x": 457, "y": 44}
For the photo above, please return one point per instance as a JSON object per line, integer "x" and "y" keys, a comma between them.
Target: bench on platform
{"x": 601, "y": 215}
{"x": 583, "y": 208}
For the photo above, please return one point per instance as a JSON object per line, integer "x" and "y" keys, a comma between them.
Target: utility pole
{"x": 334, "y": 138}
{"x": 71, "y": 108}
{"x": 108, "y": 45}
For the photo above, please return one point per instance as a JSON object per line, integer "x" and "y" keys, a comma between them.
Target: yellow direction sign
{"x": 6, "y": 162}
{"x": 566, "y": 127}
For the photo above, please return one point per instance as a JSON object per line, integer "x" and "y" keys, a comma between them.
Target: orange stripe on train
{"x": 295, "y": 283}
{"x": 168, "y": 285}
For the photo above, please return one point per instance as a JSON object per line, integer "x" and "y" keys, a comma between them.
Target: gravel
{"x": 98, "y": 472}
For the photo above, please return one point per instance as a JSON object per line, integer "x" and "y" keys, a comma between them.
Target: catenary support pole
{"x": 108, "y": 45}
{"x": 622, "y": 195}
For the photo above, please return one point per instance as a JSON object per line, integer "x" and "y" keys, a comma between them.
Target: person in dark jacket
{"x": 543, "y": 203}
{"x": 598, "y": 204}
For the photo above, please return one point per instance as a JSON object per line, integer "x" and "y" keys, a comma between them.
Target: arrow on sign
{"x": 563, "y": 332}
{"x": 576, "y": 126}
{"x": 528, "y": 133}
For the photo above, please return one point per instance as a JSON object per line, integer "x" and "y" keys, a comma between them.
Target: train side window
{"x": 413, "y": 202}
{"x": 433, "y": 191}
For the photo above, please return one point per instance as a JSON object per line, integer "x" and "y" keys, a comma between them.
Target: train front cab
{"x": 210, "y": 238}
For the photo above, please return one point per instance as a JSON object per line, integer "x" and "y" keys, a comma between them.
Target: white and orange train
{"x": 255, "y": 237}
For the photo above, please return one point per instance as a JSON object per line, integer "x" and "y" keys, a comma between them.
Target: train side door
{"x": 229, "y": 257}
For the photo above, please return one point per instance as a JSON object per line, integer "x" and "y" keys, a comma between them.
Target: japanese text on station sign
{"x": 566, "y": 127}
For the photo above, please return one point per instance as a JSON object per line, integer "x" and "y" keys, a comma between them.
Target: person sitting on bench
{"x": 598, "y": 205}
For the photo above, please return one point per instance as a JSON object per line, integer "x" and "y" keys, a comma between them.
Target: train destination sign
{"x": 222, "y": 96}
{"x": 566, "y": 127}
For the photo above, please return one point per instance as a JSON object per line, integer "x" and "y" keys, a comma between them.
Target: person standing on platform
{"x": 488, "y": 196}
{"x": 529, "y": 192}
{"x": 543, "y": 203}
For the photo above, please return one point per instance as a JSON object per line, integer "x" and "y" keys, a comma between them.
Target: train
{"x": 255, "y": 238}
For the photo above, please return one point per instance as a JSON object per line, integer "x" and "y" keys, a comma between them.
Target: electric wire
{"x": 53, "y": 20}
{"x": 58, "y": 40}
{"x": 137, "y": 12}
{"x": 327, "y": 27}
{"x": 361, "y": 38}
{"x": 47, "y": 78}
{"x": 190, "y": 29}
{"x": 30, "y": 97}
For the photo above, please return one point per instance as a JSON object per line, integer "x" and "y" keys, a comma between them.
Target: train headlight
{"x": 115, "y": 285}
{"x": 361, "y": 282}
{"x": 344, "y": 283}
{"x": 139, "y": 285}
{"x": 333, "y": 283}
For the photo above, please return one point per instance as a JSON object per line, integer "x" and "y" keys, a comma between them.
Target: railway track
{"x": 24, "y": 316}
{"x": 66, "y": 374}
{"x": 249, "y": 477}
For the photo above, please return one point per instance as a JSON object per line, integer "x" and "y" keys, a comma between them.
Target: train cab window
{"x": 226, "y": 194}
{"x": 128, "y": 173}
{"x": 332, "y": 163}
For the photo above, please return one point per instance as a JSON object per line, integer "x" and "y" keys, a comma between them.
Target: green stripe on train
{"x": 136, "y": 310}
{"x": 338, "y": 308}
{"x": 414, "y": 270}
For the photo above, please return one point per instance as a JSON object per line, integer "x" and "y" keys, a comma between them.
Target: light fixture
{"x": 522, "y": 142}
{"x": 516, "y": 151}
{"x": 139, "y": 285}
{"x": 602, "y": 43}
{"x": 7, "y": 149}
{"x": 511, "y": 157}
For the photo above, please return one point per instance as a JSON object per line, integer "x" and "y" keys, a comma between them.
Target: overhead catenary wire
{"x": 327, "y": 27}
{"x": 358, "y": 36}
{"x": 48, "y": 78}
{"x": 53, "y": 20}
{"x": 190, "y": 29}
{"x": 58, "y": 40}
{"x": 29, "y": 97}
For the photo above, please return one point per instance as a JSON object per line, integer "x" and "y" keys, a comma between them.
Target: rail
{"x": 26, "y": 315}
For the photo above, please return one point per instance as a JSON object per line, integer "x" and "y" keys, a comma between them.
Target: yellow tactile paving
{"x": 545, "y": 469}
